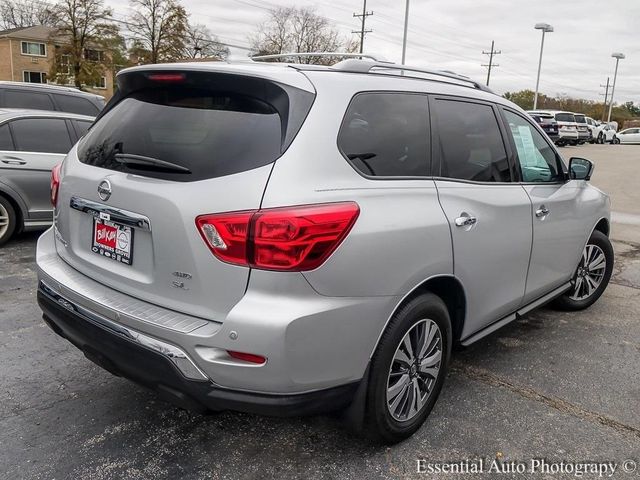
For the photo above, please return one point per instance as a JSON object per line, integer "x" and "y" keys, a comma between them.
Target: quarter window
{"x": 538, "y": 161}
{"x": 387, "y": 134}
{"x": 34, "y": 48}
{"x": 49, "y": 135}
{"x": 75, "y": 104}
{"x": 470, "y": 142}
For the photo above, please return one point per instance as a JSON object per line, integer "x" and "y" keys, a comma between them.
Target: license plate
{"x": 112, "y": 240}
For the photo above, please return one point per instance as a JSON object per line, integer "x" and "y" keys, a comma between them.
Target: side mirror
{"x": 580, "y": 168}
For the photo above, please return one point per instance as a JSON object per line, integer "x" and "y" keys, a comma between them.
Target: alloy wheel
{"x": 4, "y": 220}
{"x": 589, "y": 274}
{"x": 414, "y": 370}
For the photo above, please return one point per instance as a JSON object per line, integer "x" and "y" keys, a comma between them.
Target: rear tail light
{"x": 55, "y": 183}
{"x": 286, "y": 239}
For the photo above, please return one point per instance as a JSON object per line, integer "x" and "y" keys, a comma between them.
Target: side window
{"x": 471, "y": 145}
{"x": 6, "y": 142}
{"x": 538, "y": 161}
{"x": 27, "y": 99}
{"x": 81, "y": 127}
{"x": 74, "y": 104}
{"x": 387, "y": 134}
{"x": 48, "y": 135}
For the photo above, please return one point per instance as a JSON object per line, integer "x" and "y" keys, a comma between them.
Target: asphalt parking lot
{"x": 559, "y": 386}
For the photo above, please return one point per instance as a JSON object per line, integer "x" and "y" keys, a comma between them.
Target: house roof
{"x": 36, "y": 32}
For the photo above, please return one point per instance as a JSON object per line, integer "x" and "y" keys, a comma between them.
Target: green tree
{"x": 160, "y": 29}
{"x": 82, "y": 37}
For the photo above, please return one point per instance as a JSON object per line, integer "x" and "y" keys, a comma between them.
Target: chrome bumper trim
{"x": 177, "y": 356}
{"x": 125, "y": 217}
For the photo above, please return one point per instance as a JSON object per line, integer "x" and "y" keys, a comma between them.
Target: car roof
{"x": 12, "y": 113}
{"x": 48, "y": 87}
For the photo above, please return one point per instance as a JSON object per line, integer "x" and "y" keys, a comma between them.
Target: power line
{"x": 363, "y": 16}
{"x": 491, "y": 65}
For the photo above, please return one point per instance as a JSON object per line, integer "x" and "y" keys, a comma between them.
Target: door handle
{"x": 13, "y": 161}
{"x": 466, "y": 221}
{"x": 542, "y": 211}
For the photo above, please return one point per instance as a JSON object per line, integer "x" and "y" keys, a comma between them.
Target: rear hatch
{"x": 581, "y": 122}
{"x": 566, "y": 122}
{"x": 173, "y": 145}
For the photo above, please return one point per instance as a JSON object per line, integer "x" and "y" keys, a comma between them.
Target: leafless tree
{"x": 292, "y": 29}
{"x": 160, "y": 28}
{"x": 25, "y": 13}
{"x": 201, "y": 43}
{"x": 82, "y": 36}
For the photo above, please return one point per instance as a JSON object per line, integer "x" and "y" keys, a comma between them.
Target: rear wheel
{"x": 592, "y": 275}
{"x": 600, "y": 139}
{"x": 408, "y": 369}
{"x": 7, "y": 220}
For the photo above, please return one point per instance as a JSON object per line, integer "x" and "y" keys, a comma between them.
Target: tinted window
{"x": 233, "y": 125}
{"x": 387, "y": 134}
{"x": 471, "y": 145}
{"x": 75, "y": 104}
{"x": 580, "y": 118}
{"x": 81, "y": 127}
{"x": 6, "y": 143}
{"x": 48, "y": 135}
{"x": 565, "y": 117}
{"x": 27, "y": 99}
{"x": 538, "y": 161}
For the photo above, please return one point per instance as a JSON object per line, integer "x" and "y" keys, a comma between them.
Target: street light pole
{"x": 545, "y": 27}
{"x": 404, "y": 38}
{"x": 618, "y": 57}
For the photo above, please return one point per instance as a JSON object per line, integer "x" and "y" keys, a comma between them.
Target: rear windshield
{"x": 203, "y": 129}
{"x": 565, "y": 117}
{"x": 580, "y": 118}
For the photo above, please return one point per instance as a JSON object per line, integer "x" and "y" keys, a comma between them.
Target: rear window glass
{"x": 27, "y": 99}
{"x": 387, "y": 134}
{"x": 565, "y": 117}
{"x": 210, "y": 132}
{"x": 76, "y": 104}
{"x": 580, "y": 118}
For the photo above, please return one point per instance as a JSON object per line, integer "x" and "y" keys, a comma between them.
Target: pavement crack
{"x": 484, "y": 376}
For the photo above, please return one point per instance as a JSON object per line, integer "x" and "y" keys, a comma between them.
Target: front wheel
{"x": 615, "y": 140}
{"x": 592, "y": 275}
{"x": 600, "y": 139}
{"x": 408, "y": 369}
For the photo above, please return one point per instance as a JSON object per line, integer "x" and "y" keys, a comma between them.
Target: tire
{"x": 582, "y": 293}
{"x": 394, "y": 418}
{"x": 600, "y": 140}
{"x": 615, "y": 141}
{"x": 8, "y": 220}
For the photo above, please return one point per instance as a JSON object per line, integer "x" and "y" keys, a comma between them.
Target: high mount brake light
{"x": 287, "y": 239}
{"x": 55, "y": 183}
{"x": 167, "y": 77}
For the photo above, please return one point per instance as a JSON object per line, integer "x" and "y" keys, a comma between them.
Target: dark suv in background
{"x": 548, "y": 123}
{"x": 49, "y": 97}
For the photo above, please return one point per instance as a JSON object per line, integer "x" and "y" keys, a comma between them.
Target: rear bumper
{"x": 119, "y": 350}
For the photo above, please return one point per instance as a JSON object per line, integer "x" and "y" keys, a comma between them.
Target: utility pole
{"x": 618, "y": 57}
{"x": 491, "y": 65}
{"x": 362, "y": 30}
{"x": 404, "y": 36}
{"x": 606, "y": 95}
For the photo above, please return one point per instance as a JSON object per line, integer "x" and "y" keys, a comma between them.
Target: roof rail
{"x": 375, "y": 58}
{"x": 364, "y": 66}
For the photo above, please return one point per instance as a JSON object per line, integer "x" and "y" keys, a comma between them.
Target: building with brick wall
{"x": 28, "y": 53}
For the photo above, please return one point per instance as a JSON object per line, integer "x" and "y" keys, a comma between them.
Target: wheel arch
{"x": 452, "y": 293}
{"x": 602, "y": 226}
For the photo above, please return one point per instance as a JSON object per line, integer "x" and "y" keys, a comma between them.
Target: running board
{"x": 510, "y": 318}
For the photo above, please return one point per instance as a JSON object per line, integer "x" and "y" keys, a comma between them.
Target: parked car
{"x": 31, "y": 143}
{"x": 548, "y": 123}
{"x": 628, "y": 135}
{"x": 584, "y": 132}
{"x": 567, "y": 126}
{"x": 37, "y": 96}
{"x": 607, "y": 134}
{"x": 321, "y": 248}
{"x": 596, "y": 129}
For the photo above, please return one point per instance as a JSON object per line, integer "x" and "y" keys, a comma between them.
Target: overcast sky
{"x": 451, "y": 35}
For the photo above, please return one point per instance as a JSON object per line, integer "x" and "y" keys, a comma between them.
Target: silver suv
{"x": 288, "y": 239}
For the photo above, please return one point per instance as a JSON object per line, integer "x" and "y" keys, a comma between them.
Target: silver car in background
{"x": 289, "y": 239}
{"x": 32, "y": 142}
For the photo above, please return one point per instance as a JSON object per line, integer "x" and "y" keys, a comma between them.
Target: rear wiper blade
{"x": 130, "y": 159}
